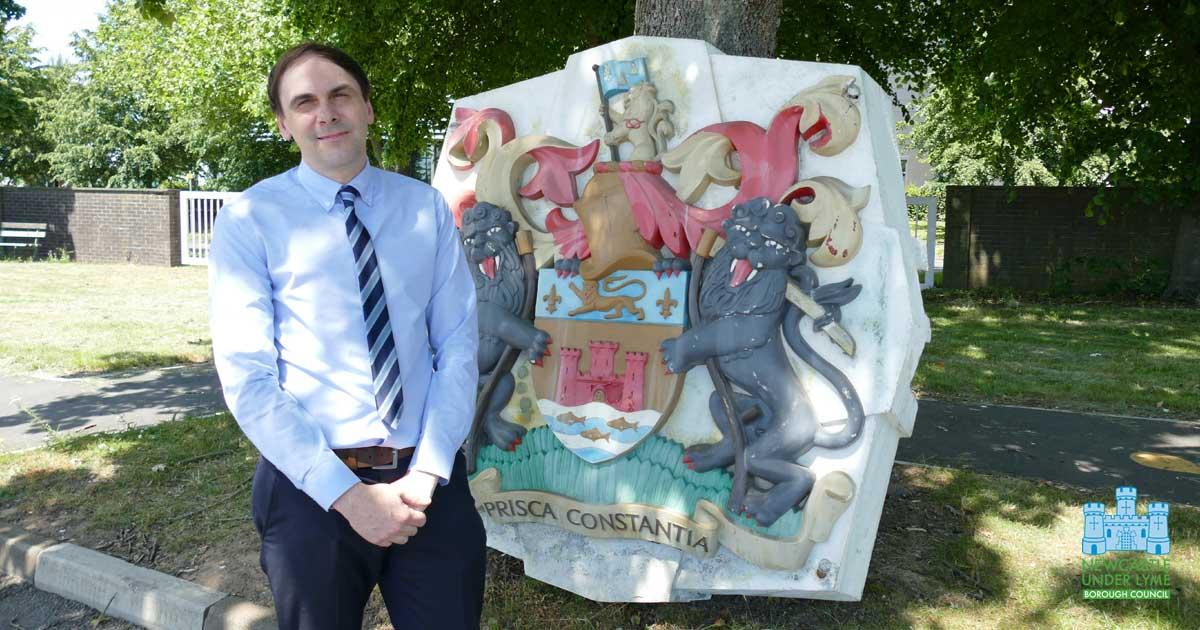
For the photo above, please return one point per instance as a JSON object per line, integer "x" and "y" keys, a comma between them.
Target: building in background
{"x": 916, "y": 170}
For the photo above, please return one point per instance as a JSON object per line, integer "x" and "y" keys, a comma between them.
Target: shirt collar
{"x": 324, "y": 190}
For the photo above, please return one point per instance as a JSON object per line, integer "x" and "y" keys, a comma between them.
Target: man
{"x": 344, "y": 332}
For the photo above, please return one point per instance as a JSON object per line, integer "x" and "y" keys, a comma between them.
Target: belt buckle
{"x": 392, "y": 466}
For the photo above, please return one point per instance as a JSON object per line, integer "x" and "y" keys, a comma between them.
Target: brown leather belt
{"x": 377, "y": 457}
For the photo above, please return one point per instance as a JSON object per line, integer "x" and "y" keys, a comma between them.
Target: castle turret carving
{"x": 601, "y": 382}
{"x": 568, "y": 367}
{"x": 634, "y": 383}
{"x": 602, "y": 359}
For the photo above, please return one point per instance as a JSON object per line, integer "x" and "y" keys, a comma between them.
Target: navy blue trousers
{"x": 322, "y": 572}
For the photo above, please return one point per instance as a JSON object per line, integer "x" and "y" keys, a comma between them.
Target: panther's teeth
{"x": 751, "y": 276}
{"x": 758, "y": 265}
{"x": 492, "y": 262}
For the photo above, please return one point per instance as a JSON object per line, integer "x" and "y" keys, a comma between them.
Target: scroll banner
{"x": 700, "y": 536}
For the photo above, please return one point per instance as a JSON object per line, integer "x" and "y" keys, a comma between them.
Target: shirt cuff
{"x": 328, "y": 480}
{"x": 428, "y": 459}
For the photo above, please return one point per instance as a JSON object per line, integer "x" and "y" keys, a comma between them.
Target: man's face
{"x": 325, "y": 112}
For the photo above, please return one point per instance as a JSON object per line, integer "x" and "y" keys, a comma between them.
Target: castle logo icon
{"x": 1126, "y": 530}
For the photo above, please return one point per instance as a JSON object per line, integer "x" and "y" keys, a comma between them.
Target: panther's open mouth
{"x": 740, "y": 271}
{"x": 488, "y": 265}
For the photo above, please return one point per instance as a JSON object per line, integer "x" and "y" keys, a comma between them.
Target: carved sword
{"x": 838, "y": 335}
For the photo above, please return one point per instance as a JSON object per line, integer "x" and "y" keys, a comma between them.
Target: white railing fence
{"x": 931, "y": 264}
{"x": 197, "y": 213}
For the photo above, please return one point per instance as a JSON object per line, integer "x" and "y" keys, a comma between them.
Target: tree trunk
{"x": 745, "y": 28}
{"x": 1185, "y": 269}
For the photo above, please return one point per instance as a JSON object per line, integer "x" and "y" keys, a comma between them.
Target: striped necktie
{"x": 385, "y": 368}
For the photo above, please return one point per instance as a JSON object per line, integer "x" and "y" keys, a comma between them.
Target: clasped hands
{"x": 388, "y": 513}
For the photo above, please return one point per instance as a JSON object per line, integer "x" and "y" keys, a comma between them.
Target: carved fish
{"x": 621, "y": 424}
{"x": 570, "y": 418}
{"x": 595, "y": 435}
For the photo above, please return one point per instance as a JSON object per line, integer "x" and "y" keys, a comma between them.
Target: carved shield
{"x": 602, "y": 388}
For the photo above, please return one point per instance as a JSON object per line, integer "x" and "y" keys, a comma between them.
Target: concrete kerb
{"x": 19, "y": 551}
{"x": 119, "y": 589}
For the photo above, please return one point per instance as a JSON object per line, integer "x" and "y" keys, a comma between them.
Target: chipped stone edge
{"x": 22, "y": 551}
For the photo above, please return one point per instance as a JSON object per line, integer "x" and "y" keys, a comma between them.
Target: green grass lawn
{"x": 1132, "y": 359}
{"x": 68, "y": 318}
{"x": 955, "y": 549}
{"x": 1127, "y": 359}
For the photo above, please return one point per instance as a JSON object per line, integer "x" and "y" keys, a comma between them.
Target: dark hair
{"x": 296, "y": 53}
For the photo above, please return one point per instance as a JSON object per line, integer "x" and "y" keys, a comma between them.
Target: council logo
{"x": 1124, "y": 576}
{"x": 1126, "y": 530}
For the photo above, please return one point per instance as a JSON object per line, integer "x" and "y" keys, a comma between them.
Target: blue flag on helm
{"x": 618, "y": 75}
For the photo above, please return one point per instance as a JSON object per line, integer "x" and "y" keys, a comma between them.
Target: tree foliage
{"x": 10, "y": 10}
{"x": 173, "y": 101}
{"x": 193, "y": 75}
{"x": 24, "y": 90}
{"x": 1021, "y": 92}
{"x": 959, "y": 148}
{"x": 1096, "y": 92}
{"x": 108, "y": 138}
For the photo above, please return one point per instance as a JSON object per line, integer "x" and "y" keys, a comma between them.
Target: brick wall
{"x": 101, "y": 225}
{"x": 1038, "y": 238}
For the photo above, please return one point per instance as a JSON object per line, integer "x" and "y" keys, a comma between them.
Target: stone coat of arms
{"x": 698, "y": 319}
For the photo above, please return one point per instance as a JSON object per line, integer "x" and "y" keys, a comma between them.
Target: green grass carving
{"x": 651, "y": 474}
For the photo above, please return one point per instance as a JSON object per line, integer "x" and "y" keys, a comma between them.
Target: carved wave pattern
{"x": 607, "y": 442}
{"x": 651, "y": 474}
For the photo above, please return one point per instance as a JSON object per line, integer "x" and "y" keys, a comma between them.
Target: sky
{"x": 55, "y": 22}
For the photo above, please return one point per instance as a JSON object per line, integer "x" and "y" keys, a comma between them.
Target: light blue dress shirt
{"x": 289, "y": 340}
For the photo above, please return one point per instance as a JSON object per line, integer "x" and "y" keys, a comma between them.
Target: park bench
{"x": 16, "y": 234}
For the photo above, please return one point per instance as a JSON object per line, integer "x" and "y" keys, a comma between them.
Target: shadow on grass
{"x": 131, "y": 360}
{"x": 1049, "y": 355}
{"x": 1043, "y": 506}
{"x": 936, "y": 564}
{"x": 1180, "y": 611}
{"x": 927, "y": 554}
{"x": 174, "y": 497}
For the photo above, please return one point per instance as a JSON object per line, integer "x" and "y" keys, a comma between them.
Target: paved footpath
{"x": 1087, "y": 450}
{"x": 1091, "y": 451}
{"x": 71, "y": 406}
